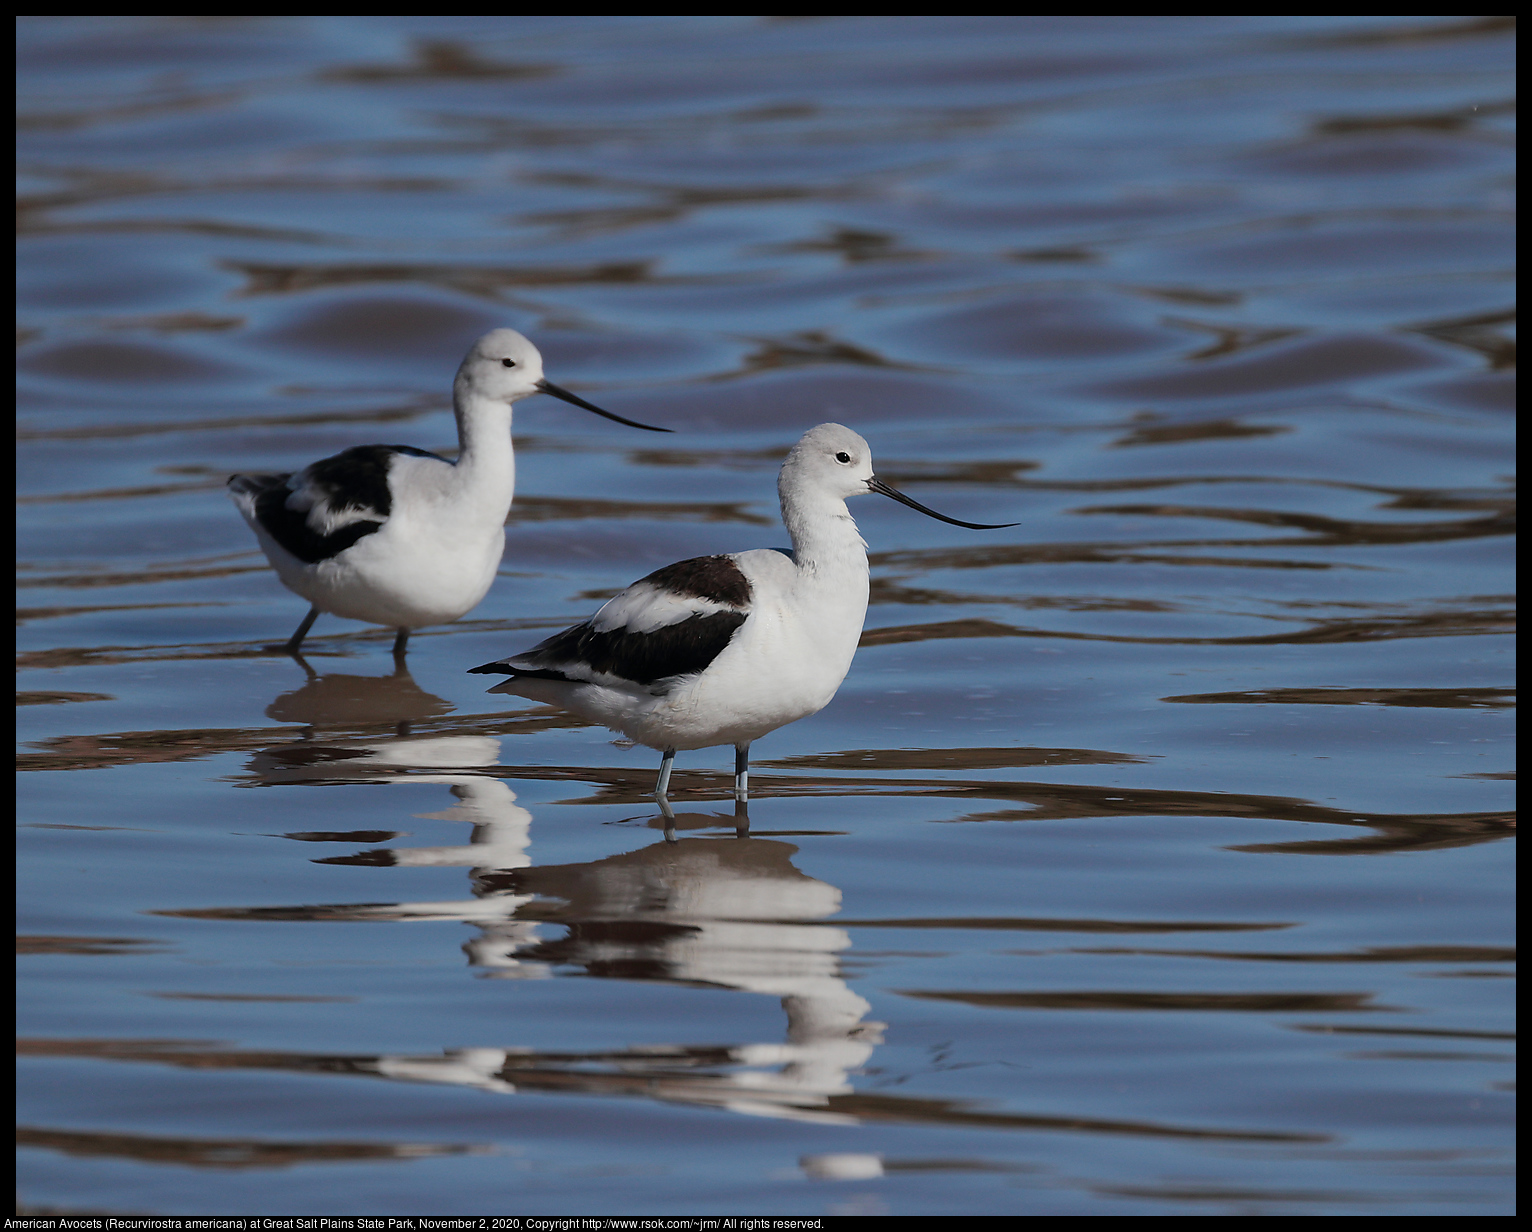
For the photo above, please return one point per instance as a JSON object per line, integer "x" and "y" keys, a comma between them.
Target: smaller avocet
{"x": 396, "y": 536}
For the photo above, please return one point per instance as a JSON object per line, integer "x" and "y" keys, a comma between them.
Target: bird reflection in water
{"x": 336, "y": 700}
{"x": 719, "y": 913}
{"x": 726, "y": 911}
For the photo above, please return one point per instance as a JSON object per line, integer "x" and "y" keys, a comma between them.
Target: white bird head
{"x": 503, "y": 366}
{"x": 833, "y": 460}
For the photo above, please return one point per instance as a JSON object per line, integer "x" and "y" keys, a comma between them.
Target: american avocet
{"x": 396, "y": 536}
{"x": 723, "y": 649}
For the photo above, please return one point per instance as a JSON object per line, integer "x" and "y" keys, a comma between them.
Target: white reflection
{"x": 501, "y": 832}
{"x": 728, "y": 913}
{"x": 465, "y": 1067}
{"x": 846, "y": 1167}
{"x": 723, "y": 912}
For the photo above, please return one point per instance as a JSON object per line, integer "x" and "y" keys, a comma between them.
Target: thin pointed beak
{"x": 548, "y": 387}
{"x": 877, "y": 485}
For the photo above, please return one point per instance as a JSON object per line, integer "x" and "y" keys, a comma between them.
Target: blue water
{"x": 1152, "y": 860}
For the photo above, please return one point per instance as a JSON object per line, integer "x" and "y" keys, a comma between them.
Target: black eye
{"x": 843, "y": 456}
{"x": 507, "y": 363}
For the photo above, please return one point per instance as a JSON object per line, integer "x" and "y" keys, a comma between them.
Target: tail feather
{"x": 505, "y": 667}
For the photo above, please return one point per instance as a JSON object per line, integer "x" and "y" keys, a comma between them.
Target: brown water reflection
{"x": 1405, "y": 32}
{"x": 951, "y": 759}
{"x": 1395, "y": 953}
{"x": 1452, "y": 699}
{"x": 1320, "y": 1028}
{"x": 1071, "y": 926}
{"x": 1249, "y": 1002}
{"x": 1202, "y": 430}
{"x": 474, "y": 280}
{"x": 81, "y": 945}
{"x": 35, "y": 698}
{"x": 226, "y": 1152}
{"x": 1451, "y": 623}
{"x": 1330, "y": 531}
{"x": 440, "y": 58}
{"x": 399, "y": 414}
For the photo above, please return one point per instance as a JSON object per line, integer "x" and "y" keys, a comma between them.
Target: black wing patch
{"x": 676, "y": 650}
{"x": 681, "y": 648}
{"x": 358, "y": 478}
{"x": 716, "y": 578}
{"x": 290, "y": 527}
{"x": 355, "y": 479}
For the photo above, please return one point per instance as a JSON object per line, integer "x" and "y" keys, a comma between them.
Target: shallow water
{"x": 1058, "y": 907}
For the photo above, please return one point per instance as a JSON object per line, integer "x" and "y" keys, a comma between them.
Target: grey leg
{"x": 302, "y": 632}
{"x": 741, "y": 819}
{"x": 661, "y": 787}
{"x": 742, "y": 772}
{"x": 670, "y": 818}
{"x": 404, "y": 636}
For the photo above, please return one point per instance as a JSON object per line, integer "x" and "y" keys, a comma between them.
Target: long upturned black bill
{"x": 548, "y": 387}
{"x": 877, "y": 485}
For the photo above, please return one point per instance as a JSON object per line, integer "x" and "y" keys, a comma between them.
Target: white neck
{"x": 826, "y": 542}
{"x": 486, "y": 462}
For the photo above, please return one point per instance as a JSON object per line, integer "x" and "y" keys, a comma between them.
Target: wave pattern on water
{"x": 1219, "y": 311}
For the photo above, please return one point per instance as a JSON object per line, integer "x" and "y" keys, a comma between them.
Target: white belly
{"x": 402, "y": 580}
{"x": 776, "y": 670}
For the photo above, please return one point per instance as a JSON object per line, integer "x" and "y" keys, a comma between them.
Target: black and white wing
{"x": 672, "y": 623}
{"x": 328, "y": 505}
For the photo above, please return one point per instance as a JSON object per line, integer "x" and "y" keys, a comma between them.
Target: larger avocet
{"x": 397, "y": 536}
{"x": 723, "y": 649}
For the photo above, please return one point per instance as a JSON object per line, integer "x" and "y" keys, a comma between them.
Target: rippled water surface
{"x": 1151, "y": 860}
